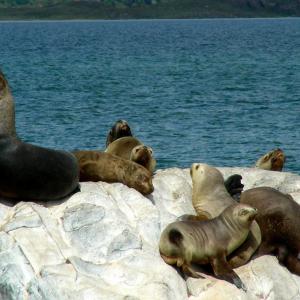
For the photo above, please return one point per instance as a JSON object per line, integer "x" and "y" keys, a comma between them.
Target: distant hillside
{"x": 125, "y": 9}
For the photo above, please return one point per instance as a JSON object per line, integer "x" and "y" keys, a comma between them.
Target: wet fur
{"x": 29, "y": 172}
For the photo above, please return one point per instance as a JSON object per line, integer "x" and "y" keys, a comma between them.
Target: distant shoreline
{"x": 145, "y": 20}
{"x": 192, "y": 9}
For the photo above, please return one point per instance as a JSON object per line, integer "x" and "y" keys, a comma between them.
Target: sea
{"x": 219, "y": 91}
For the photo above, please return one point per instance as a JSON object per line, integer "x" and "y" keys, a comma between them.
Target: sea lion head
{"x": 243, "y": 214}
{"x": 143, "y": 181}
{"x": 3, "y": 85}
{"x": 205, "y": 177}
{"x": 273, "y": 160}
{"x": 141, "y": 154}
{"x": 121, "y": 129}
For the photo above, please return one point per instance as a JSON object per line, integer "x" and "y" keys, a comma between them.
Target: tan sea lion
{"x": 119, "y": 129}
{"x": 143, "y": 155}
{"x": 210, "y": 198}
{"x": 272, "y": 161}
{"x": 123, "y": 146}
{"x": 7, "y": 108}
{"x": 201, "y": 242}
{"x": 30, "y": 172}
{"x": 279, "y": 220}
{"x": 101, "y": 166}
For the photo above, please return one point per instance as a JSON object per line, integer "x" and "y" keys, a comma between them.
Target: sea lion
{"x": 186, "y": 242}
{"x": 30, "y": 172}
{"x": 101, "y": 166}
{"x": 272, "y": 161}
{"x": 234, "y": 186}
{"x": 7, "y": 108}
{"x": 119, "y": 129}
{"x": 279, "y": 220}
{"x": 210, "y": 198}
{"x": 123, "y": 146}
{"x": 143, "y": 155}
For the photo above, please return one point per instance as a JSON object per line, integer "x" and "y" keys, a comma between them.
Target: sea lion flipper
{"x": 243, "y": 254}
{"x": 187, "y": 217}
{"x": 234, "y": 185}
{"x": 88, "y": 171}
{"x": 189, "y": 271}
{"x": 223, "y": 271}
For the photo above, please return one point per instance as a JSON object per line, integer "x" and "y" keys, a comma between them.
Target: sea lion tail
{"x": 175, "y": 237}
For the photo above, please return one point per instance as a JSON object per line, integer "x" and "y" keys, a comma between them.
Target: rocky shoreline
{"x": 102, "y": 243}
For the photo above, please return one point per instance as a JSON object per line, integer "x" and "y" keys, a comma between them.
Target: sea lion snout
{"x": 124, "y": 127}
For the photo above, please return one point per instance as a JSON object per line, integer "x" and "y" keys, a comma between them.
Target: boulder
{"x": 102, "y": 243}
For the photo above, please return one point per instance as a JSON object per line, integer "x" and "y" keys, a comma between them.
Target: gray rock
{"x": 102, "y": 243}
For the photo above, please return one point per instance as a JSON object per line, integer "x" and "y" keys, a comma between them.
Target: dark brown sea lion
{"x": 122, "y": 147}
{"x": 210, "y": 198}
{"x": 272, "y": 161}
{"x": 279, "y": 220}
{"x": 201, "y": 242}
{"x": 119, "y": 129}
{"x": 101, "y": 166}
{"x": 143, "y": 155}
{"x": 29, "y": 172}
{"x": 234, "y": 186}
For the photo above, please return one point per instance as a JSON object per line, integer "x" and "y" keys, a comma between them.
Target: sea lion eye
{"x": 243, "y": 212}
{"x": 197, "y": 167}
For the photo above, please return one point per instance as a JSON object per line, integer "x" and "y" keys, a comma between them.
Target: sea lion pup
{"x": 122, "y": 147}
{"x": 272, "y": 161}
{"x": 210, "y": 198}
{"x": 143, "y": 155}
{"x": 119, "y": 129}
{"x": 101, "y": 166}
{"x": 279, "y": 220}
{"x": 202, "y": 242}
{"x": 29, "y": 172}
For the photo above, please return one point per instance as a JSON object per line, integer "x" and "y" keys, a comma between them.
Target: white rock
{"x": 102, "y": 243}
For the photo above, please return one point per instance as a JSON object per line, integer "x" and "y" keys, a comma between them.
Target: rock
{"x": 102, "y": 243}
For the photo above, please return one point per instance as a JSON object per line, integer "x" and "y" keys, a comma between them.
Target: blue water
{"x": 217, "y": 91}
